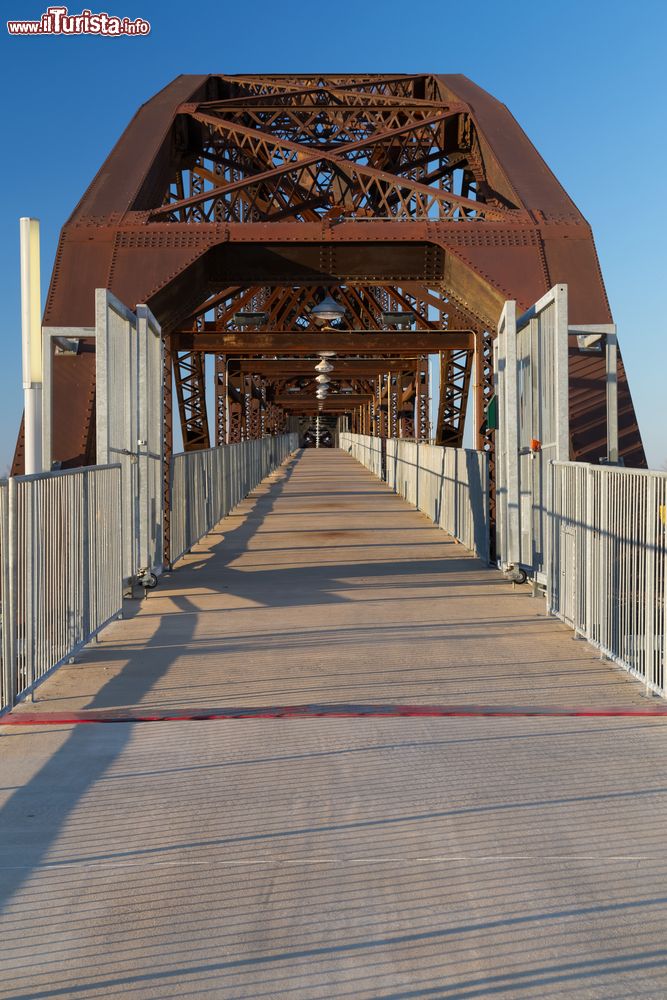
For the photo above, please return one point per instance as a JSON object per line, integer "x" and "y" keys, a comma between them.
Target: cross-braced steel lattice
{"x": 234, "y": 205}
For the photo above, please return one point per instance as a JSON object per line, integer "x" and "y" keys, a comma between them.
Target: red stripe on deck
{"x": 24, "y": 718}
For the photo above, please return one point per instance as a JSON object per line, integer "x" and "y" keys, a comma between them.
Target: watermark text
{"x": 58, "y": 21}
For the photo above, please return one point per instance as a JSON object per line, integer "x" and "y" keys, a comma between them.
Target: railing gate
{"x": 531, "y": 367}
{"x": 128, "y": 350}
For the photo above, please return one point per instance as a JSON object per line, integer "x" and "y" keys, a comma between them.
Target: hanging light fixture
{"x": 324, "y": 366}
{"x": 322, "y": 379}
{"x": 327, "y": 311}
{"x": 250, "y": 319}
{"x": 401, "y": 320}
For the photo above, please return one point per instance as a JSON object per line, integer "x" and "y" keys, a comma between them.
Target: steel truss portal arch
{"x": 414, "y": 193}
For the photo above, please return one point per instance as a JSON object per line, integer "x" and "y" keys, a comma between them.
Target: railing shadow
{"x": 57, "y": 778}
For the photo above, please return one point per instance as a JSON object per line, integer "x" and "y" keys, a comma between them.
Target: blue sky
{"x": 586, "y": 80}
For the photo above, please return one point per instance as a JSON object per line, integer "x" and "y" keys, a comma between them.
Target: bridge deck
{"x": 357, "y": 858}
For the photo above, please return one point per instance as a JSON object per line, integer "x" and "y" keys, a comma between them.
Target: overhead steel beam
{"x": 342, "y": 366}
{"x": 281, "y": 342}
{"x": 335, "y": 399}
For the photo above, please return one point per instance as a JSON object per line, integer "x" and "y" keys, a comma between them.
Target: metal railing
{"x": 366, "y": 449}
{"x": 450, "y": 485}
{"x": 206, "y": 485}
{"x": 608, "y": 563}
{"x": 61, "y": 566}
{"x": 61, "y": 569}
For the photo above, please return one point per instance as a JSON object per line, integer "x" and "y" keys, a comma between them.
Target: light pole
{"x": 31, "y": 335}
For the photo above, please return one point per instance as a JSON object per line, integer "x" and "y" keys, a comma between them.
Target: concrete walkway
{"x": 363, "y": 858}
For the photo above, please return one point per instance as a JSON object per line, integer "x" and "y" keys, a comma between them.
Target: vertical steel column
{"x": 488, "y": 443}
{"x": 478, "y": 393}
{"x": 407, "y": 386}
{"x": 423, "y": 422}
{"x": 439, "y": 436}
{"x": 220, "y": 399}
{"x": 255, "y": 430}
{"x": 168, "y": 445}
{"x": 379, "y": 413}
{"x": 236, "y": 404}
{"x": 391, "y": 407}
{"x": 263, "y": 422}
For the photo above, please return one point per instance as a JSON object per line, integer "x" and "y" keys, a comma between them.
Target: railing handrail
{"x": 54, "y": 473}
{"x": 608, "y": 469}
{"x": 228, "y": 444}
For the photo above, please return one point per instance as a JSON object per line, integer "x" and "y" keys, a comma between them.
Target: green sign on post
{"x": 491, "y": 423}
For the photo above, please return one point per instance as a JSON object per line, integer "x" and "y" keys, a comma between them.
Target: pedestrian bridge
{"x": 383, "y": 720}
{"x": 512, "y": 848}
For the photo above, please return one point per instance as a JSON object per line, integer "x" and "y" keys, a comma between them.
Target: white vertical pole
{"x": 561, "y": 376}
{"x": 31, "y": 332}
{"x": 611, "y": 352}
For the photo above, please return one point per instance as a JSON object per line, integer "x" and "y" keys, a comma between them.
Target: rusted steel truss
{"x": 455, "y": 371}
{"x": 189, "y": 375}
{"x": 413, "y": 194}
{"x": 220, "y": 399}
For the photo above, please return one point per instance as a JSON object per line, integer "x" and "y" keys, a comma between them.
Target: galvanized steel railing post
{"x": 26, "y": 507}
{"x": 587, "y": 533}
{"x": 602, "y": 597}
{"x": 85, "y": 555}
{"x": 649, "y": 585}
{"x": 10, "y": 604}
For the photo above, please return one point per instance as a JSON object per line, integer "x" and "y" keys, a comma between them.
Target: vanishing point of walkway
{"x": 359, "y": 858}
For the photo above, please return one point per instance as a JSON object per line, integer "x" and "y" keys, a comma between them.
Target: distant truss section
{"x": 331, "y": 150}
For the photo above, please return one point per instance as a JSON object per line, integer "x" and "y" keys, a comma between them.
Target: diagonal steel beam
{"x": 306, "y": 157}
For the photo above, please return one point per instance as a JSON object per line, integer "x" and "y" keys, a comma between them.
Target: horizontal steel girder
{"x": 342, "y": 366}
{"x": 282, "y": 342}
